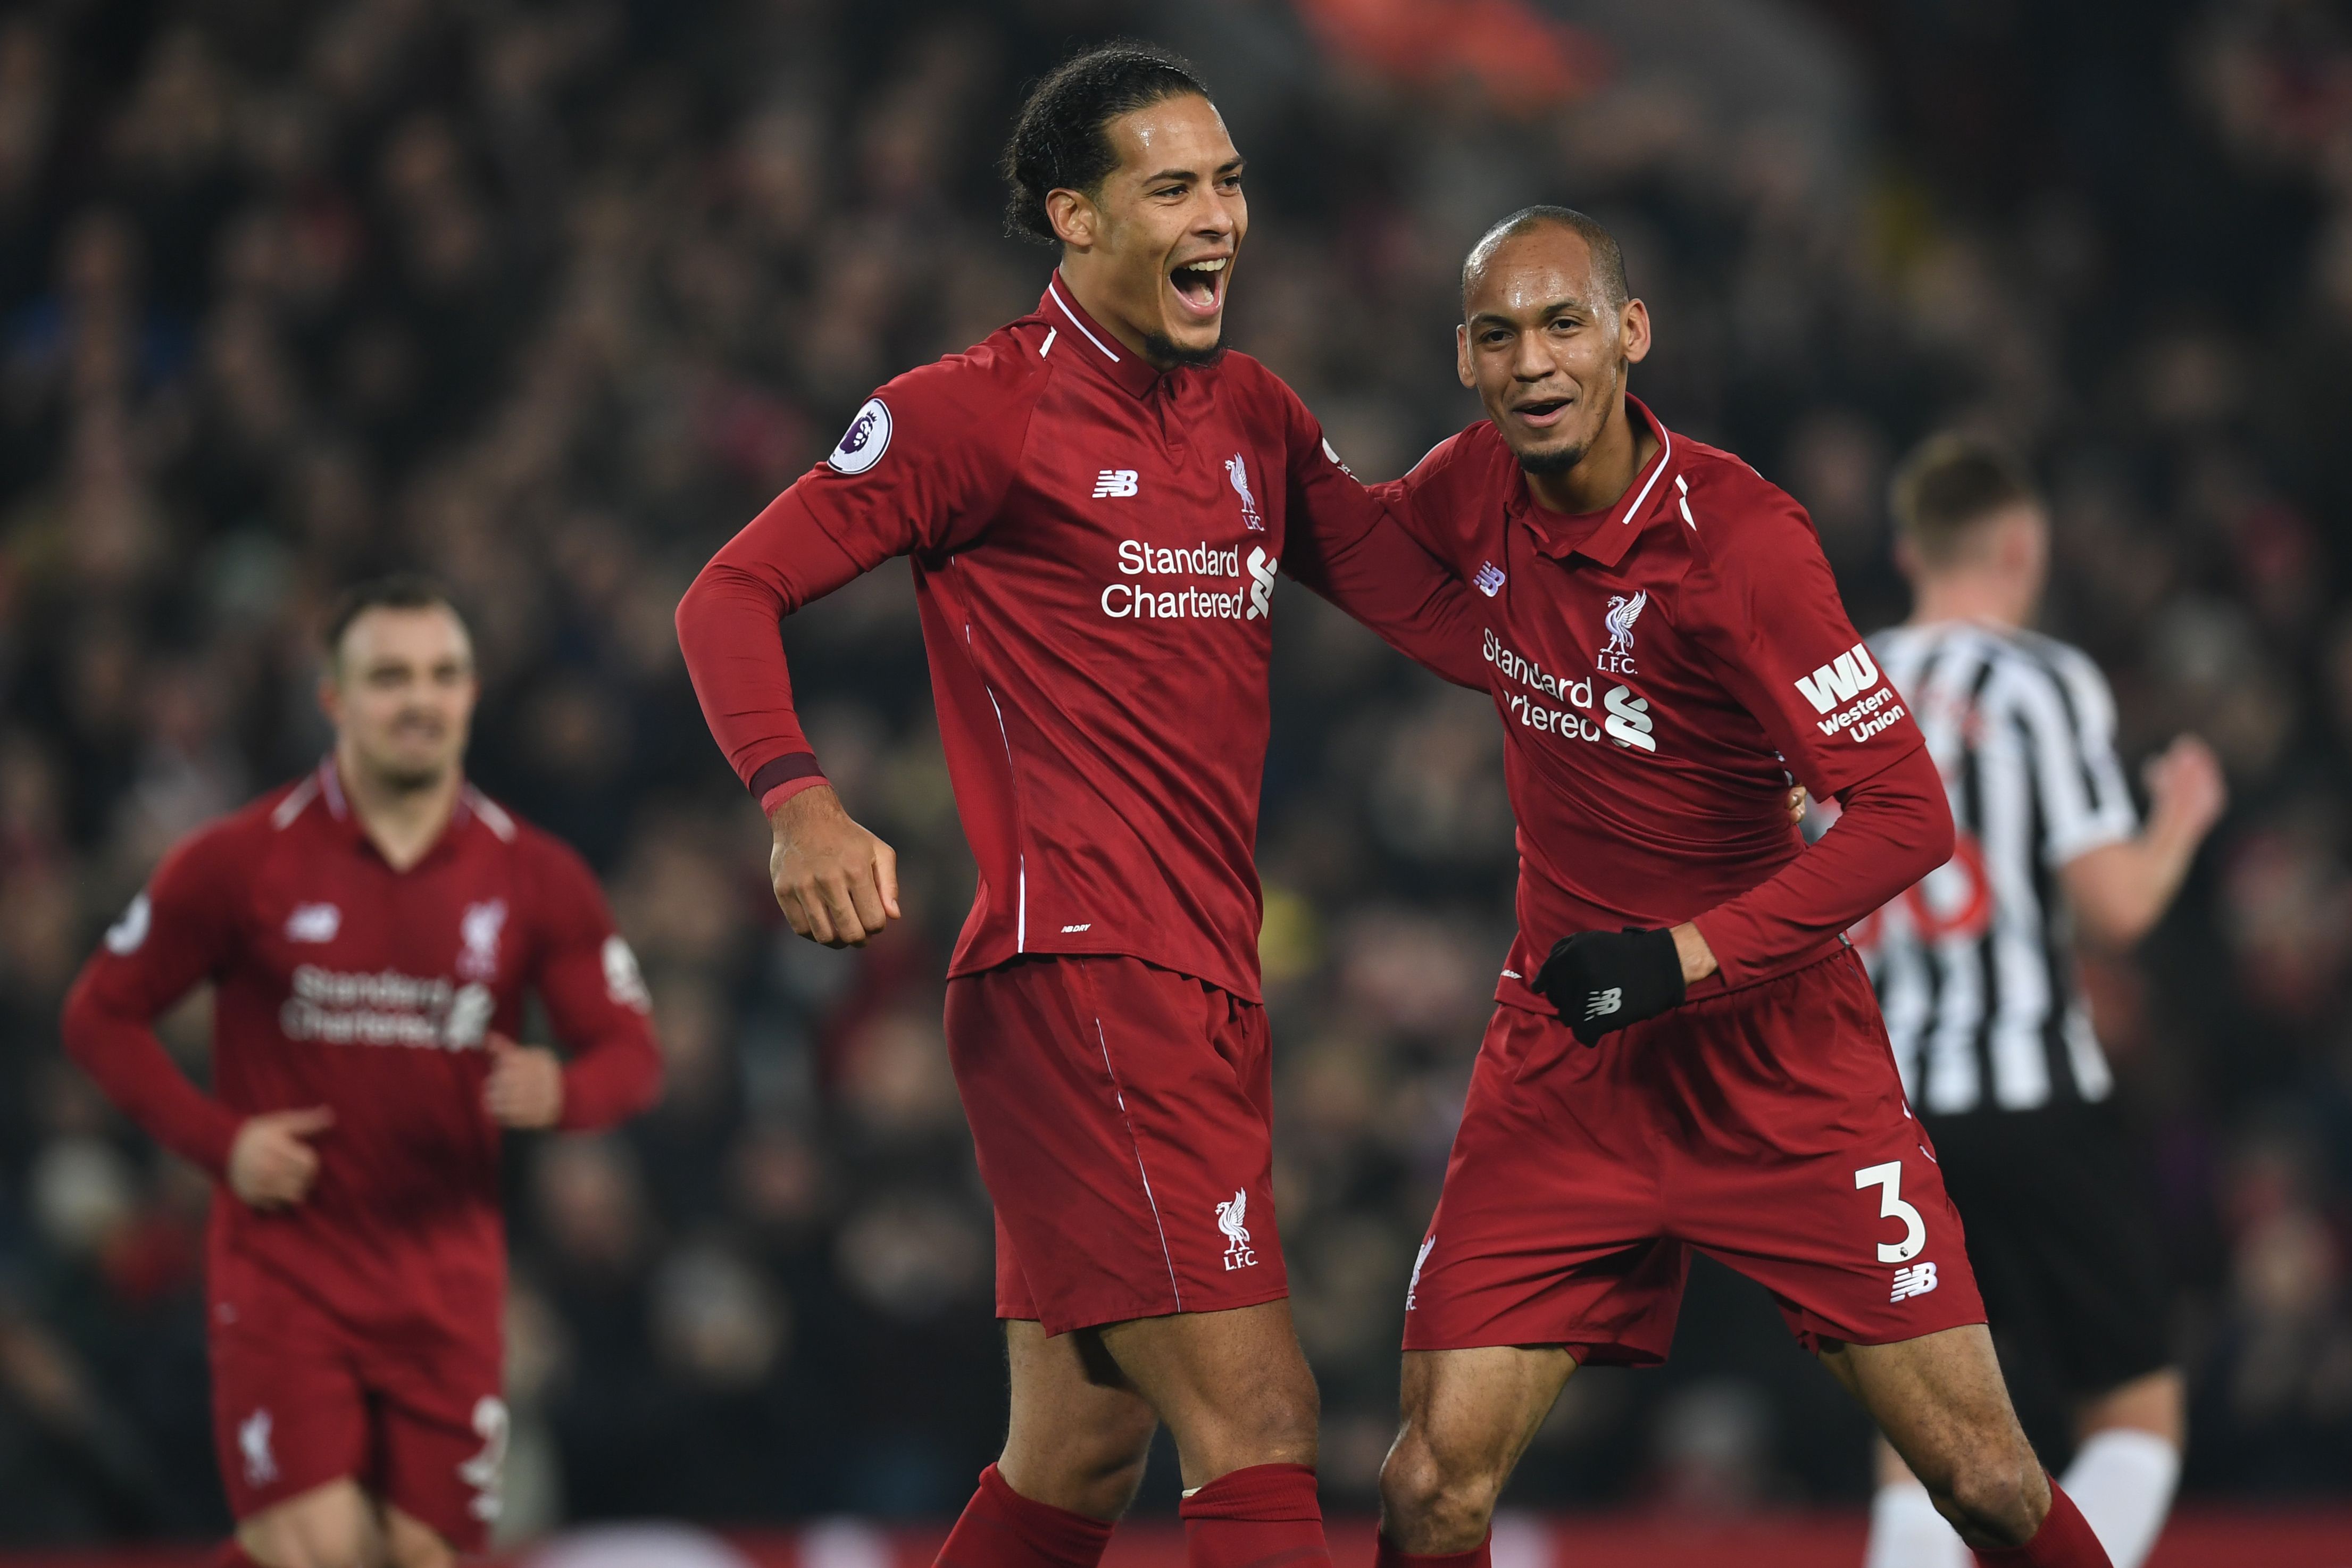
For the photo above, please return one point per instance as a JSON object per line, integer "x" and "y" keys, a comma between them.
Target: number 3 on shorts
{"x": 1888, "y": 1180}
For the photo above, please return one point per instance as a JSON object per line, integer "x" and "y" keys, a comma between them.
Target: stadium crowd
{"x": 549, "y": 299}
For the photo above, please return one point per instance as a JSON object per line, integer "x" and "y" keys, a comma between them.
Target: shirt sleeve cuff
{"x": 789, "y": 788}
{"x": 777, "y": 781}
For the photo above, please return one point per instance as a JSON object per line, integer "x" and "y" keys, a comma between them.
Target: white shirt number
{"x": 1888, "y": 1180}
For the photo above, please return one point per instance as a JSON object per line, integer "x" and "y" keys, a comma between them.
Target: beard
{"x": 1163, "y": 352}
{"x": 410, "y": 780}
{"x": 1558, "y": 460}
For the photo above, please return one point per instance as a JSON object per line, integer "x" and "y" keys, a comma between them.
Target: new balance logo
{"x": 1114, "y": 482}
{"x": 1838, "y": 681}
{"x": 1604, "y": 1003}
{"x": 1230, "y": 1215}
{"x": 313, "y": 922}
{"x": 1489, "y": 580}
{"x": 1916, "y": 1280}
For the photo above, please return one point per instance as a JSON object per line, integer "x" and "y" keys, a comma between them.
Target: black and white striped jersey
{"x": 1975, "y": 966}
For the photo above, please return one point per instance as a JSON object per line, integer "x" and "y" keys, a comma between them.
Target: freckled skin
{"x": 1174, "y": 199}
{"x": 1537, "y": 330}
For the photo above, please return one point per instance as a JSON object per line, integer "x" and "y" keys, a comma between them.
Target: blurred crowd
{"x": 549, "y": 298}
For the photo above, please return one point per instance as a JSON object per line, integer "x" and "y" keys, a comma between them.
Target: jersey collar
{"x": 1092, "y": 342}
{"x": 462, "y": 815}
{"x": 1644, "y": 499}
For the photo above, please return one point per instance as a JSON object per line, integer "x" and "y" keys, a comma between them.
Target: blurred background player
{"x": 1097, "y": 500}
{"x": 1974, "y": 969}
{"x": 371, "y": 932}
{"x": 1685, "y": 1055}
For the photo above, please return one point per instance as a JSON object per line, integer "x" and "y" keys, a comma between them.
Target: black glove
{"x": 1604, "y": 980}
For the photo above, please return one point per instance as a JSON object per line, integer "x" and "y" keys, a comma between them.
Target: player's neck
{"x": 1090, "y": 292}
{"x": 1605, "y": 472}
{"x": 403, "y": 824}
{"x": 1982, "y": 598}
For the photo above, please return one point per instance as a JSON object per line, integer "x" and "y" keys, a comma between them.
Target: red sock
{"x": 1262, "y": 1517}
{"x": 1391, "y": 1555}
{"x": 2064, "y": 1541}
{"x": 1002, "y": 1529}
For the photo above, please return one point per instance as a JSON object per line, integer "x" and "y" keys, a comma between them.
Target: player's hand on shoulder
{"x": 836, "y": 882}
{"x": 525, "y": 1088}
{"x": 272, "y": 1164}
{"x": 1603, "y": 980}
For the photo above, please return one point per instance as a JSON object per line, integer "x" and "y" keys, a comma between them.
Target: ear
{"x": 1078, "y": 222}
{"x": 1462, "y": 357}
{"x": 1633, "y": 330}
{"x": 1906, "y": 559}
{"x": 330, "y": 698}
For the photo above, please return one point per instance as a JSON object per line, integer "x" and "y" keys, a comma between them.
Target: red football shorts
{"x": 1123, "y": 1116}
{"x": 1766, "y": 1128}
{"x": 300, "y": 1398}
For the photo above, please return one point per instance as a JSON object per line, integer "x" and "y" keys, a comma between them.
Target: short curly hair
{"x": 1059, "y": 142}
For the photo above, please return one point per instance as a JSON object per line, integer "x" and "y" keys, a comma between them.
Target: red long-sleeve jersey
{"x": 341, "y": 982}
{"x": 1095, "y": 545}
{"x": 1662, "y": 668}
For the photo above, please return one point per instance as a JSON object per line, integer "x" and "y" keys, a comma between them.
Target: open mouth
{"x": 1199, "y": 286}
{"x": 1543, "y": 411}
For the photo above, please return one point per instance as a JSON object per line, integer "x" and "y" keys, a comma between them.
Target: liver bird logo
{"x": 1230, "y": 1216}
{"x": 1623, "y": 612}
{"x": 1238, "y": 472}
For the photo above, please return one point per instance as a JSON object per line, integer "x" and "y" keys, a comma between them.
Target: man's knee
{"x": 1994, "y": 1492}
{"x": 1433, "y": 1497}
{"x": 410, "y": 1542}
{"x": 328, "y": 1527}
{"x": 1103, "y": 1464}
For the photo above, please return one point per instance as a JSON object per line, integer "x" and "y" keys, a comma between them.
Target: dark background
{"x": 551, "y": 299}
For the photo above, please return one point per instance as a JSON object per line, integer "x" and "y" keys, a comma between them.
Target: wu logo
{"x": 1115, "y": 482}
{"x": 1916, "y": 1280}
{"x": 1230, "y": 1215}
{"x": 1838, "y": 681}
{"x": 1238, "y": 472}
{"x": 1617, "y": 656}
{"x": 253, "y": 1443}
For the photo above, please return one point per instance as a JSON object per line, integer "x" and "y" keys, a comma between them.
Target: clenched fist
{"x": 272, "y": 1165}
{"x": 836, "y": 882}
{"x": 525, "y": 1088}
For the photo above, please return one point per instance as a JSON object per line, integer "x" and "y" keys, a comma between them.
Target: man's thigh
{"x": 289, "y": 1412}
{"x": 1938, "y": 1398}
{"x": 1122, "y": 1117}
{"x": 1079, "y": 1431}
{"x": 1796, "y": 1161}
{"x": 1550, "y": 1228}
{"x": 440, "y": 1434}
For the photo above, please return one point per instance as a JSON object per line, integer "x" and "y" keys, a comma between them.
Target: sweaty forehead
{"x": 1180, "y": 132}
{"x": 1529, "y": 273}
